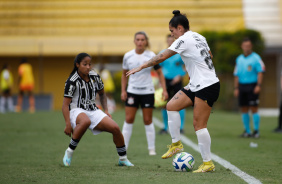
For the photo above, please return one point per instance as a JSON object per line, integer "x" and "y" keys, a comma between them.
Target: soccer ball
{"x": 183, "y": 162}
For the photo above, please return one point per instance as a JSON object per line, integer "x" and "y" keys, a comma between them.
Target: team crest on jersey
{"x": 71, "y": 90}
{"x": 130, "y": 100}
{"x": 179, "y": 44}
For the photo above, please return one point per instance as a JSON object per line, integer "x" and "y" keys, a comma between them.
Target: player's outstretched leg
{"x": 109, "y": 125}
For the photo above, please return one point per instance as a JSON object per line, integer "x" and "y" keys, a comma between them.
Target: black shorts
{"x": 172, "y": 89}
{"x": 209, "y": 94}
{"x": 247, "y": 96}
{"x": 146, "y": 101}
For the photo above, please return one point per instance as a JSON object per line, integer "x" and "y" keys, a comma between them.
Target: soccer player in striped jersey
{"x": 81, "y": 113}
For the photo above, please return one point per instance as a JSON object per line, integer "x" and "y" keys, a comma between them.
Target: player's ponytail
{"x": 179, "y": 19}
{"x": 78, "y": 59}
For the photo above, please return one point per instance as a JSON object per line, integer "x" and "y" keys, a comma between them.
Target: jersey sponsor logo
{"x": 179, "y": 44}
{"x": 130, "y": 100}
{"x": 141, "y": 88}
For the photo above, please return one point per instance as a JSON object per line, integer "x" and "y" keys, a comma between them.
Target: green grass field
{"x": 33, "y": 145}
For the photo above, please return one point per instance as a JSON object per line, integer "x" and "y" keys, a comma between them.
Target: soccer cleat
{"x": 245, "y": 135}
{"x": 163, "y": 131}
{"x": 67, "y": 159}
{"x": 125, "y": 163}
{"x": 173, "y": 149}
{"x": 255, "y": 134}
{"x": 205, "y": 167}
{"x": 152, "y": 152}
{"x": 277, "y": 130}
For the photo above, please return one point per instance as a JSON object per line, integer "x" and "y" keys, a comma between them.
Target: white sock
{"x": 126, "y": 132}
{"x": 151, "y": 136}
{"x": 123, "y": 158}
{"x": 10, "y": 104}
{"x": 174, "y": 123}
{"x": 2, "y": 104}
{"x": 69, "y": 152}
{"x": 204, "y": 142}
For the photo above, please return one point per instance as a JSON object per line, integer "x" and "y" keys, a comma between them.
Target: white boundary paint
{"x": 247, "y": 178}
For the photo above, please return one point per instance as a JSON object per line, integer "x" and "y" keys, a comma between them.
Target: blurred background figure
{"x": 140, "y": 90}
{"x": 109, "y": 87}
{"x": 279, "y": 127}
{"x": 26, "y": 84}
{"x": 248, "y": 75}
{"x": 173, "y": 71}
{"x": 6, "y": 103}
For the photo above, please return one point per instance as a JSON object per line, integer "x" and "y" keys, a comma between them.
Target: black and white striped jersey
{"x": 83, "y": 93}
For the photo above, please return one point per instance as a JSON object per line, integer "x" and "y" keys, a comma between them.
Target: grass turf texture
{"x": 33, "y": 145}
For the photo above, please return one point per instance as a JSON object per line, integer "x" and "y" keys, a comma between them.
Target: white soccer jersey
{"x": 83, "y": 93}
{"x": 194, "y": 51}
{"x": 140, "y": 82}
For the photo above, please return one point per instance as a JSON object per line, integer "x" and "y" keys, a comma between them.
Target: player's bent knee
{"x": 115, "y": 129}
{"x": 198, "y": 125}
{"x": 170, "y": 107}
{"x": 85, "y": 123}
{"x": 148, "y": 121}
{"x": 129, "y": 120}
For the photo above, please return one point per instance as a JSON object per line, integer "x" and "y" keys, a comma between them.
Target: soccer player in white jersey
{"x": 140, "y": 90}
{"x": 81, "y": 113}
{"x": 201, "y": 92}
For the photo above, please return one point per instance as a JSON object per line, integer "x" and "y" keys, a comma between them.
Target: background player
{"x": 26, "y": 84}
{"x": 6, "y": 88}
{"x": 248, "y": 75}
{"x": 140, "y": 90}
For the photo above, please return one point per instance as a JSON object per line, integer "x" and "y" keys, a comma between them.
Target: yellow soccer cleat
{"x": 173, "y": 149}
{"x": 205, "y": 167}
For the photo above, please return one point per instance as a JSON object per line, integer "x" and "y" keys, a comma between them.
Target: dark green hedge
{"x": 226, "y": 46}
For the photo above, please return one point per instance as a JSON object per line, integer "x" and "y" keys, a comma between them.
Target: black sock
{"x": 121, "y": 150}
{"x": 73, "y": 143}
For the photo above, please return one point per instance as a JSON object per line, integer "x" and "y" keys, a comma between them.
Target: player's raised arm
{"x": 153, "y": 61}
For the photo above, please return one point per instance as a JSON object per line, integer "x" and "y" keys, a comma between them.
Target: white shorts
{"x": 94, "y": 116}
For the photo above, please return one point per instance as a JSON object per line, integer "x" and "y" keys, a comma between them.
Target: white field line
{"x": 247, "y": 178}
